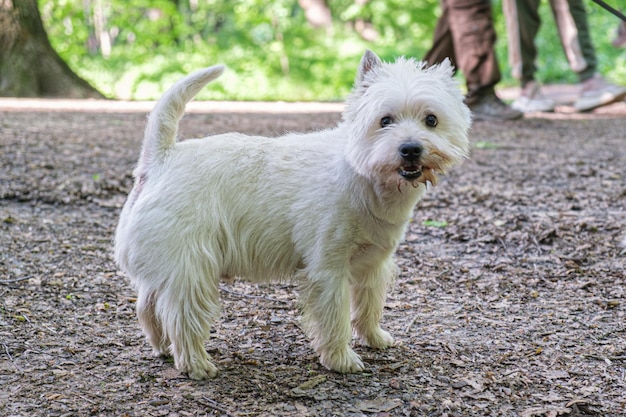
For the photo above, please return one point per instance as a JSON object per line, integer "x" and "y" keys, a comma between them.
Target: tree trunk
{"x": 29, "y": 67}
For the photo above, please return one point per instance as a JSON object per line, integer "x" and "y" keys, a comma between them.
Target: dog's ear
{"x": 446, "y": 67}
{"x": 369, "y": 61}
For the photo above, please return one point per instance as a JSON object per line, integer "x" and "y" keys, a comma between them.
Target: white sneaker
{"x": 597, "y": 92}
{"x": 531, "y": 99}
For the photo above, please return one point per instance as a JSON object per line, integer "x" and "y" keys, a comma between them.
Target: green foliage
{"x": 270, "y": 49}
{"x": 272, "y": 52}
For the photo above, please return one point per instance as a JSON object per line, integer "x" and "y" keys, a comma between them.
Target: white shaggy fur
{"x": 326, "y": 208}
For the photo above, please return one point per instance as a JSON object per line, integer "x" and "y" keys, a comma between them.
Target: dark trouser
{"x": 523, "y": 21}
{"x": 466, "y": 35}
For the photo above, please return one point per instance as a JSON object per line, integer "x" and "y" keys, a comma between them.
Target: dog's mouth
{"x": 411, "y": 172}
{"x": 417, "y": 174}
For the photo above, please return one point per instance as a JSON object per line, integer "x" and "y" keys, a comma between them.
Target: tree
{"x": 29, "y": 66}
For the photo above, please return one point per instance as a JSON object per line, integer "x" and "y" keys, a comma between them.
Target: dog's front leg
{"x": 369, "y": 290}
{"x": 326, "y": 317}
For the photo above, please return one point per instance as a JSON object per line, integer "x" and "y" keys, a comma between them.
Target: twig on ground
{"x": 6, "y": 350}
{"x": 605, "y": 358}
{"x": 216, "y": 406}
{"x": 87, "y": 399}
{"x": 10, "y": 281}
{"x": 407, "y": 328}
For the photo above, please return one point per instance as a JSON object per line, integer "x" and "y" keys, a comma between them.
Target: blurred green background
{"x": 136, "y": 49}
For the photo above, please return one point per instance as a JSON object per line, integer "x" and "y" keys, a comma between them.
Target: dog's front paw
{"x": 207, "y": 371}
{"x": 345, "y": 361}
{"x": 379, "y": 339}
{"x": 159, "y": 353}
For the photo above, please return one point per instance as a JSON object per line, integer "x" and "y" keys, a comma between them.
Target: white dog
{"x": 326, "y": 208}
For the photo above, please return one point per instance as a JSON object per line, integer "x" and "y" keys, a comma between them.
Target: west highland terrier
{"x": 327, "y": 209}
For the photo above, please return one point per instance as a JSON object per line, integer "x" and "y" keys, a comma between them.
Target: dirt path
{"x": 511, "y": 299}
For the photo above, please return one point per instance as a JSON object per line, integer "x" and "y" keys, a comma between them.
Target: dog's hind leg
{"x": 369, "y": 290}
{"x": 326, "y": 316}
{"x": 151, "y": 325}
{"x": 188, "y": 305}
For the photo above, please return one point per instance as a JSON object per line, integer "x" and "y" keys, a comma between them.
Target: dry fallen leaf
{"x": 379, "y": 405}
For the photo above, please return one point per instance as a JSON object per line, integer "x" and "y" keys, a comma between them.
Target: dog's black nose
{"x": 411, "y": 151}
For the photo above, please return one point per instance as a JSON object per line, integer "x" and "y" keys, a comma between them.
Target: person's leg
{"x": 473, "y": 38}
{"x": 522, "y": 24}
{"x": 442, "y": 41}
{"x": 571, "y": 19}
{"x": 465, "y": 34}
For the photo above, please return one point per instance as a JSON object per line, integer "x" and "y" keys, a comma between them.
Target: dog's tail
{"x": 162, "y": 126}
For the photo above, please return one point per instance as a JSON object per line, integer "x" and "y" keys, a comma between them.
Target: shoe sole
{"x": 545, "y": 109}
{"x": 609, "y": 100}
{"x": 479, "y": 117}
{"x": 524, "y": 108}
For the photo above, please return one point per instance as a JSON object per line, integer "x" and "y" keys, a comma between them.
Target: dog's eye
{"x": 431, "y": 120}
{"x": 386, "y": 121}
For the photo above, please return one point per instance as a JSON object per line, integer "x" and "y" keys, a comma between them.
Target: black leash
{"x": 617, "y": 13}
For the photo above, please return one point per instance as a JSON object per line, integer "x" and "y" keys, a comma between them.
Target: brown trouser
{"x": 466, "y": 35}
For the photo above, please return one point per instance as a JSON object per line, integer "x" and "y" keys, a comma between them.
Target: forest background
{"x": 274, "y": 50}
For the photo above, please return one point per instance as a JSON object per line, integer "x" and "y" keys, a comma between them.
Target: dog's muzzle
{"x": 411, "y": 154}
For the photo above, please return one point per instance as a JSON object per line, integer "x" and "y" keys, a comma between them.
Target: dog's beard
{"x": 424, "y": 176}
